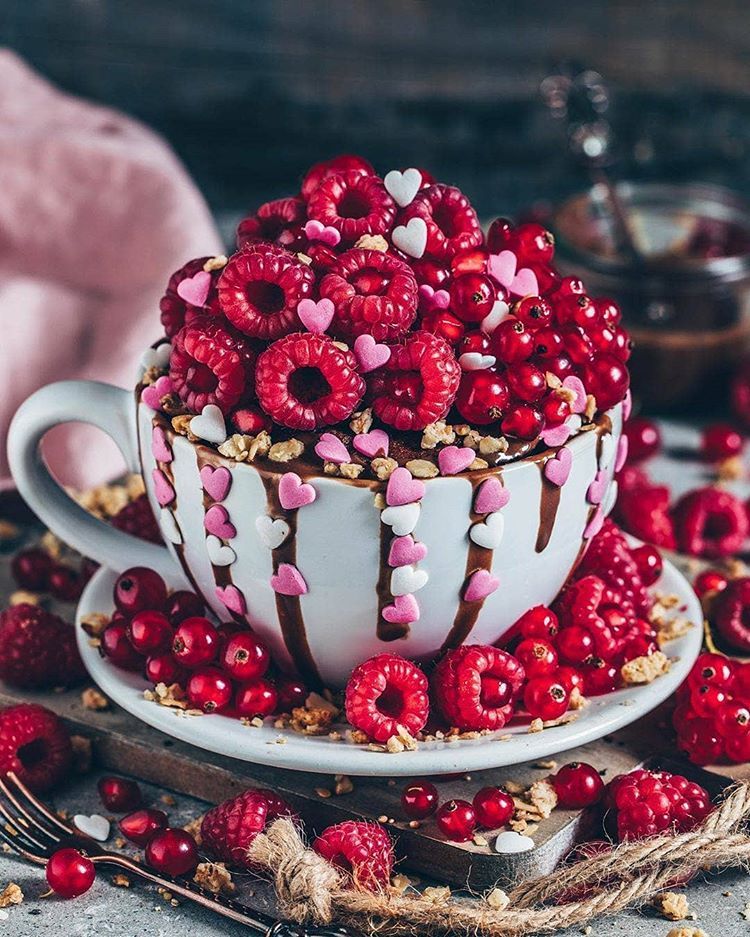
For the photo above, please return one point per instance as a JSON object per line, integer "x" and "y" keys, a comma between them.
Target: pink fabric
{"x": 96, "y": 212}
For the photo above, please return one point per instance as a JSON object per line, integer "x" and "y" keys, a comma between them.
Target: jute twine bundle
{"x": 310, "y": 890}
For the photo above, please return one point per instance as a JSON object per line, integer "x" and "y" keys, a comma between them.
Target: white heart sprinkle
{"x": 495, "y": 316}
{"x": 489, "y": 534}
{"x": 401, "y": 518}
{"x": 407, "y": 579}
{"x": 411, "y": 238}
{"x": 272, "y": 531}
{"x": 509, "y": 842}
{"x": 169, "y": 527}
{"x": 209, "y": 424}
{"x": 156, "y": 357}
{"x": 403, "y": 186}
{"x": 475, "y": 361}
{"x": 609, "y": 446}
{"x": 95, "y": 826}
{"x": 609, "y": 498}
{"x": 574, "y": 423}
{"x": 220, "y": 554}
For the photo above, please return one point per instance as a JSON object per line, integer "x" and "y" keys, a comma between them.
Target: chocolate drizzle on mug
{"x": 288, "y": 607}
{"x": 549, "y": 502}
{"x": 476, "y": 558}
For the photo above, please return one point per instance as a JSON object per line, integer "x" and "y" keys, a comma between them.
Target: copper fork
{"x": 38, "y": 833}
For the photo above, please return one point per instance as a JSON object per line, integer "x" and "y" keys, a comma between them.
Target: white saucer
{"x": 230, "y": 737}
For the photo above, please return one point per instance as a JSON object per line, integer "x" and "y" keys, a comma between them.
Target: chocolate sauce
{"x": 288, "y": 607}
{"x": 549, "y": 502}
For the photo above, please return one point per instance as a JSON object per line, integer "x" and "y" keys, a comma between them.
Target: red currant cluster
{"x": 484, "y": 325}
{"x": 167, "y": 637}
{"x": 712, "y": 718}
{"x": 709, "y": 522}
{"x": 643, "y": 803}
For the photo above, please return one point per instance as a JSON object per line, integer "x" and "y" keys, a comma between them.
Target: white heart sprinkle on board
{"x": 401, "y": 518}
{"x": 406, "y": 579}
{"x": 411, "y": 238}
{"x": 95, "y": 826}
{"x": 169, "y": 526}
{"x": 403, "y": 186}
{"x": 220, "y": 554}
{"x": 490, "y": 533}
{"x": 209, "y": 424}
{"x": 509, "y": 842}
{"x": 272, "y": 531}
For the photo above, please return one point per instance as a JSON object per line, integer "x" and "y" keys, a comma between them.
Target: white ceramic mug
{"x": 338, "y": 543}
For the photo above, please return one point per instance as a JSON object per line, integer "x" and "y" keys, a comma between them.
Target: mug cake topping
{"x": 385, "y": 298}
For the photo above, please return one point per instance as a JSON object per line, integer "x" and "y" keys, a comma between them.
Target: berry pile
{"x": 168, "y": 638}
{"x": 480, "y": 327}
{"x": 643, "y": 803}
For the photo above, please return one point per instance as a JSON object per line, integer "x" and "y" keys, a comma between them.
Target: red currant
{"x": 456, "y": 820}
{"x": 116, "y": 646}
{"x": 534, "y": 312}
{"x": 119, "y": 794}
{"x": 150, "y": 632}
{"x": 575, "y": 644}
{"x": 599, "y": 677}
{"x": 511, "y": 341}
{"x": 291, "y": 694}
{"x": 249, "y": 421}
{"x": 31, "y": 569}
{"x": 482, "y": 397}
{"x": 577, "y": 310}
{"x": 732, "y": 718}
{"x": 608, "y": 310}
{"x": 578, "y": 785}
{"x": 493, "y": 807}
{"x": 547, "y": 343}
{"x": 522, "y": 421}
{"x": 141, "y": 825}
{"x": 183, "y": 604}
{"x": 258, "y": 698}
{"x": 649, "y": 562}
{"x": 65, "y": 583}
{"x": 538, "y": 622}
{"x": 526, "y": 381}
{"x": 431, "y": 273}
{"x": 445, "y": 324}
{"x": 163, "y": 668}
{"x": 196, "y": 642}
{"x": 570, "y": 286}
{"x": 534, "y": 244}
{"x": 546, "y": 698}
{"x": 172, "y": 852}
{"x": 711, "y": 669}
{"x": 209, "y": 690}
{"x": 474, "y": 341}
{"x": 69, "y": 873}
{"x": 570, "y": 678}
{"x": 501, "y": 235}
{"x": 721, "y": 441}
{"x": 537, "y": 656}
{"x": 555, "y": 410}
{"x": 139, "y": 588}
{"x": 710, "y": 580}
{"x": 419, "y": 800}
{"x": 644, "y": 438}
{"x": 607, "y": 379}
{"x": 472, "y": 296}
{"x": 560, "y": 365}
{"x": 245, "y": 657}
{"x": 577, "y": 344}
{"x": 470, "y": 261}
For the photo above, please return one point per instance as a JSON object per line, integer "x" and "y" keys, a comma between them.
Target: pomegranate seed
{"x": 493, "y": 807}
{"x": 456, "y": 820}
{"x": 172, "y": 852}
{"x": 578, "y": 785}
{"x": 69, "y": 873}
{"x": 119, "y": 794}
{"x": 141, "y": 825}
{"x": 419, "y": 800}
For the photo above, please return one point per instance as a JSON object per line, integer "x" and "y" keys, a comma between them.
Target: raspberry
{"x": 260, "y": 289}
{"x": 229, "y": 828}
{"x": 475, "y": 686}
{"x": 643, "y": 803}
{"x": 35, "y": 745}
{"x": 38, "y": 649}
{"x": 418, "y": 383}
{"x": 362, "y": 849}
{"x": 210, "y": 364}
{"x": 138, "y": 519}
{"x": 280, "y": 221}
{"x": 319, "y": 172}
{"x": 710, "y": 523}
{"x": 609, "y": 557}
{"x": 305, "y": 381}
{"x": 354, "y": 204}
{"x": 731, "y": 613}
{"x": 373, "y": 293}
{"x": 175, "y": 311}
{"x": 452, "y": 224}
{"x": 384, "y": 693}
{"x": 643, "y": 511}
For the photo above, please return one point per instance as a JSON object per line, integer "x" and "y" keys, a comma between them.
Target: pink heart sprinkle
{"x": 153, "y": 393}
{"x": 405, "y": 551}
{"x": 371, "y": 444}
{"x": 524, "y": 283}
{"x": 217, "y": 522}
{"x": 287, "y": 580}
{"x": 404, "y": 611}
{"x": 331, "y": 449}
{"x": 492, "y": 496}
{"x": 294, "y": 493}
{"x": 317, "y": 231}
{"x": 402, "y": 488}
{"x": 557, "y": 469}
{"x": 622, "y": 453}
{"x": 555, "y": 436}
{"x": 627, "y": 405}
{"x": 596, "y": 489}
{"x": 454, "y": 459}
{"x": 194, "y": 290}
{"x": 232, "y": 599}
{"x": 162, "y": 489}
{"x": 316, "y": 317}
{"x": 481, "y": 584}
{"x": 160, "y": 448}
{"x": 432, "y": 298}
{"x": 502, "y": 267}
{"x": 216, "y": 481}
{"x": 594, "y": 525}
{"x": 369, "y": 354}
{"x": 575, "y": 386}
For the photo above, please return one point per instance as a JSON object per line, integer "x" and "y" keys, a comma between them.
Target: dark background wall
{"x": 250, "y": 91}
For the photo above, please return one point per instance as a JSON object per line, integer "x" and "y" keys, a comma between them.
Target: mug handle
{"x": 112, "y": 410}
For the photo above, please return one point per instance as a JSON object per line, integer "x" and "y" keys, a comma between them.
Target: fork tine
{"x": 22, "y": 833}
{"x": 43, "y": 809}
{"x": 17, "y": 848}
{"x": 27, "y": 821}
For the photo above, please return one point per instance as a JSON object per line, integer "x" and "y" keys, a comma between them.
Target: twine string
{"x": 311, "y": 890}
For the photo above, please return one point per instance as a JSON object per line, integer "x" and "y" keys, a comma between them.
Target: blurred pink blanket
{"x": 95, "y": 213}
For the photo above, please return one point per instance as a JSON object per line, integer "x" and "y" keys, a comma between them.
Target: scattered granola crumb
{"x": 372, "y": 242}
{"x": 120, "y": 842}
{"x": 497, "y": 899}
{"x": 8, "y": 531}
{"x": 243, "y": 448}
{"x": 422, "y": 468}
{"x": 402, "y": 741}
{"x": 547, "y": 765}
{"x": 94, "y": 624}
{"x": 479, "y": 464}
{"x": 286, "y": 451}
{"x": 11, "y": 895}
{"x": 577, "y": 699}
{"x": 120, "y": 880}
{"x": 672, "y": 905}
{"x": 23, "y": 597}
{"x": 94, "y": 699}
{"x": 687, "y": 931}
{"x": 214, "y": 877}
{"x": 536, "y": 725}
{"x": 215, "y": 263}
{"x": 343, "y": 785}
{"x": 168, "y": 800}
{"x": 645, "y": 669}
{"x": 730, "y": 470}
{"x": 351, "y": 469}
{"x": 472, "y": 439}
{"x": 82, "y": 754}
{"x": 543, "y": 796}
{"x": 437, "y": 433}
{"x": 400, "y": 883}
{"x": 745, "y": 912}
{"x": 172, "y": 695}
{"x": 361, "y": 421}
{"x": 323, "y": 792}
{"x": 479, "y": 840}
{"x": 383, "y": 467}
{"x": 491, "y": 445}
